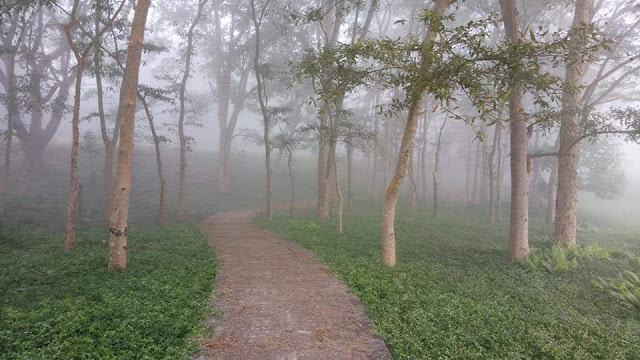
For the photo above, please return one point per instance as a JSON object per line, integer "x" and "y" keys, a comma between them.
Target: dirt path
{"x": 278, "y": 302}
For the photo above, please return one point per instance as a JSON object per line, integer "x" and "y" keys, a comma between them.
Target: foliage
{"x": 625, "y": 287}
{"x": 453, "y": 296}
{"x": 560, "y": 259}
{"x": 64, "y": 306}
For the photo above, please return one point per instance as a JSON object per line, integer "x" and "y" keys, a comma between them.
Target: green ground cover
{"x": 67, "y": 306}
{"x": 454, "y": 294}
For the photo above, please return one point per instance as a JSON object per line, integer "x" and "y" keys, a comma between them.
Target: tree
{"x": 80, "y": 52}
{"x": 436, "y": 163}
{"x": 181, "y": 117}
{"x": 232, "y": 69}
{"x": 387, "y": 227}
{"x": 118, "y": 221}
{"x": 576, "y": 67}
{"x": 12, "y": 33}
{"x": 519, "y": 223}
{"x": 261, "y": 89}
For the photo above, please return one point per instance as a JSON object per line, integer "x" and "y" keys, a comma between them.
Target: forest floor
{"x": 455, "y": 295}
{"x": 277, "y": 301}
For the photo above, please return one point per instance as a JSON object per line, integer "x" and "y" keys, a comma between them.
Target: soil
{"x": 276, "y": 301}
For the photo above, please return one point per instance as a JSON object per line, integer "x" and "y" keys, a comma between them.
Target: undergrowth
{"x": 453, "y": 295}
{"x": 68, "y": 306}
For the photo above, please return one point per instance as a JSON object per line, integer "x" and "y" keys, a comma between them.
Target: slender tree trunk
{"x": 576, "y": 67}
{"x": 349, "y": 175}
{"x": 12, "y": 113}
{"x": 423, "y": 158}
{"x": 387, "y": 228}
{"x": 436, "y": 164}
{"x": 159, "y": 165}
{"x": 551, "y": 192}
{"x": 109, "y": 144}
{"x": 338, "y": 191}
{"x": 484, "y": 179}
{"x": 70, "y": 238}
{"x": 476, "y": 173}
{"x": 292, "y": 181}
{"x": 322, "y": 211}
{"x": 468, "y": 170}
{"x": 492, "y": 175}
{"x": 262, "y": 99}
{"x": 414, "y": 190}
{"x": 499, "y": 186}
{"x": 519, "y": 224}
{"x": 183, "y": 89}
{"x": 374, "y": 172}
{"x": 118, "y": 221}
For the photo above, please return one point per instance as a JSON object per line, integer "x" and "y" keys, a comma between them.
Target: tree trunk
{"x": 423, "y": 158}
{"x": 468, "y": 171}
{"x": 492, "y": 175}
{"x": 322, "y": 211}
{"x": 387, "y": 228}
{"x": 70, "y": 238}
{"x": 476, "y": 173}
{"x": 499, "y": 186}
{"x": 262, "y": 99}
{"x": 159, "y": 165}
{"x": 292, "y": 181}
{"x": 118, "y": 221}
{"x": 349, "y": 175}
{"x": 435, "y": 169}
{"x": 519, "y": 224}
{"x": 12, "y": 114}
{"x": 183, "y": 89}
{"x": 551, "y": 192}
{"x": 338, "y": 191}
{"x": 567, "y": 197}
{"x": 109, "y": 143}
{"x": 374, "y": 171}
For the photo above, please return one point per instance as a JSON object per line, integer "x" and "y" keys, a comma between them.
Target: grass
{"x": 454, "y": 294}
{"x": 66, "y": 306}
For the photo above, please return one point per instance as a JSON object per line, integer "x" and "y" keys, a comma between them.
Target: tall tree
{"x": 576, "y": 67}
{"x": 519, "y": 223}
{"x": 118, "y": 221}
{"x": 80, "y": 52}
{"x": 12, "y": 33}
{"x": 387, "y": 228}
{"x": 181, "y": 117}
{"x": 257, "y": 17}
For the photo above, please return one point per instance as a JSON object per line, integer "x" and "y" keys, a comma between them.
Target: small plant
{"x": 559, "y": 259}
{"x": 556, "y": 260}
{"x": 625, "y": 287}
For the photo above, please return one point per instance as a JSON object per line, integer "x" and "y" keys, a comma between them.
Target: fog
{"x": 303, "y": 45}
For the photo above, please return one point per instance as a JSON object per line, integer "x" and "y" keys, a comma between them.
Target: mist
{"x": 395, "y": 140}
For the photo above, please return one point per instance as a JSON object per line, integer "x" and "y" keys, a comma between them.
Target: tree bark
{"x": 74, "y": 189}
{"x": 519, "y": 223}
{"x": 435, "y": 169}
{"x": 387, "y": 228}
{"x": 576, "y": 67}
{"x": 159, "y": 164}
{"x": 338, "y": 192}
{"x": 262, "y": 99}
{"x": 292, "y": 181}
{"x": 183, "y": 89}
{"x": 118, "y": 221}
{"x": 551, "y": 192}
{"x": 492, "y": 175}
{"x": 476, "y": 173}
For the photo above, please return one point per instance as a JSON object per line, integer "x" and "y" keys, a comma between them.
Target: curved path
{"x": 278, "y": 302}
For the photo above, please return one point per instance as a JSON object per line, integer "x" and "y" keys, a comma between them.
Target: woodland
{"x": 464, "y": 174}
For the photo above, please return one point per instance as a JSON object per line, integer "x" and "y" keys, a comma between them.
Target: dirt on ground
{"x": 276, "y": 301}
